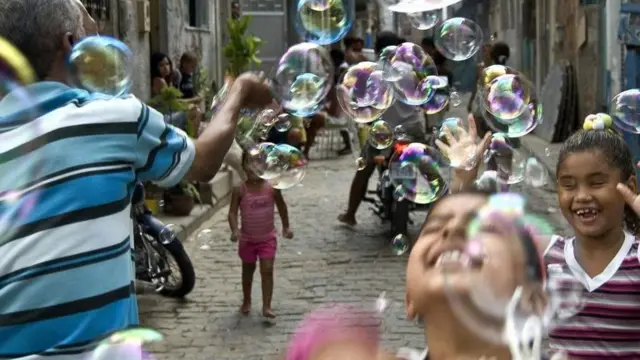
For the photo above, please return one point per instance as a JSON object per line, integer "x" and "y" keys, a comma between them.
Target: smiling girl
{"x": 593, "y": 167}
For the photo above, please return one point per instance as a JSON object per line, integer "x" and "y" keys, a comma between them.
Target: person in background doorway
{"x": 353, "y": 50}
{"x": 188, "y": 67}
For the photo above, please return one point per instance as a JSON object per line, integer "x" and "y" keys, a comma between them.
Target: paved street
{"x": 324, "y": 263}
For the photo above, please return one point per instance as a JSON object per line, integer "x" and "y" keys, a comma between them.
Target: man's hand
{"x": 255, "y": 91}
{"x": 287, "y": 233}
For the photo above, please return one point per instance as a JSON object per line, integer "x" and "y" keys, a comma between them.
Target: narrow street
{"x": 324, "y": 263}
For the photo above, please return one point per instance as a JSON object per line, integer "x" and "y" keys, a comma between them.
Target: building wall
{"x": 200, "y": 40}
{"x": 138, "y": 41}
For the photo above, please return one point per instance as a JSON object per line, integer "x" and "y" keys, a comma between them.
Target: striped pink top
{"x": 607, "y": 324}
{"x": 257, "y": 213}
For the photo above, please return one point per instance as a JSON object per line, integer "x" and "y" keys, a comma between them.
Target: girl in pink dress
{"x": 257, "y": 237}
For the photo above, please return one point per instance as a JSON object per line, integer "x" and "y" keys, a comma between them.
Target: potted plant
{"x": 169, "y": 101}
{"x": 242, "y": 49}
{"x": 181, "y": 199}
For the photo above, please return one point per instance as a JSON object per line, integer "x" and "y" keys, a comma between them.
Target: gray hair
{"x": 36, "y": 28}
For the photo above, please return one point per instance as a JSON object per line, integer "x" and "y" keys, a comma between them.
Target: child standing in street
{"x": 255, "y": 199}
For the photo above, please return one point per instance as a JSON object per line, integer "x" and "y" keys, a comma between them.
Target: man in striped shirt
{"x": 66, "y": 278}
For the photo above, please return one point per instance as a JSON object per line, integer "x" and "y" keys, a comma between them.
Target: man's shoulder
{"x": 109, "y": 107}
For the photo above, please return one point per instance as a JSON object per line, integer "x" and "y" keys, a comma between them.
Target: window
{"x": 98, "y": 9}
{"x": 198, "y": 13}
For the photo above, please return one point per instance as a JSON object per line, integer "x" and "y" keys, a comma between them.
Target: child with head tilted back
{"x": 255, "y": 200}
{"x": 594, "y": 165}
{"x": 342, "y": 332}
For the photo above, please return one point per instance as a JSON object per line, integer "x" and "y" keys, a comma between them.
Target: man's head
{"x": 45, "y": 32}
{"x": 385, "y": 39}
{"x": 428, "y": 45}
{"x": 354, "y": 44}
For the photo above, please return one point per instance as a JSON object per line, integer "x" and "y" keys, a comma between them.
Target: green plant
{"x": 169, "y": 101}
{"x": 202, "y": 86}
{"x": 242, "y": 50}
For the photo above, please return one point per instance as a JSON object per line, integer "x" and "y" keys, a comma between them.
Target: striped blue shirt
{"x": 68, "y": 164}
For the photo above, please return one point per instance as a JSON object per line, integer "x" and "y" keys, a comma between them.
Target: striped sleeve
{"x": 164, "y": 153}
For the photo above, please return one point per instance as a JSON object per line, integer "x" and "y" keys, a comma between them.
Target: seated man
{"x": 398, "y": 114}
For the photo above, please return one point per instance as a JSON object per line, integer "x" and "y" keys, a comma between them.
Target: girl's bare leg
{"x": 266, "y": 275}
{"x": 247, "y": 282}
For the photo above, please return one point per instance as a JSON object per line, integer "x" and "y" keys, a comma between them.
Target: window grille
{"x": 98, "y": 9}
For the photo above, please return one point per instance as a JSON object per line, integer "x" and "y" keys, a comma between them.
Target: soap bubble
{"x": 506, "y": 93}
{"x": 380, "y": 135}
{"x": 302, "y": 78}
{"x": 488, "y": 181}
{"x": 282, "y": 123}
{"x": 26, "y": 160}
{"x": 415, "y": 72}
{"x": 535, "y": 173}
{"x": 625, "y": 111}
{"x": 566, "y": 295}
{"x": 455, "y": 99}
{"x": 324, "y": 21}
{"x": 509, "y": 159}
{"x": 400, "y": 133}
{"x": 400, "y": 244}
{"x": 102, "y": 64}
{"x": 499, "y": 262}
{"x": 424, "y": 20}
{"x": 414, "y": 170}
{"x": 391, "y": 71}
{"x": 205, "y": 238}
{"x": 257, "y": 159}
{"x": 458, "y": 39}
{"x": 437, "y": 103}
{"x": 126, "y": 344}
{"x": 292, "y": 163}
{"x": 15, "y": 69}
{"x": 362, "y": 92}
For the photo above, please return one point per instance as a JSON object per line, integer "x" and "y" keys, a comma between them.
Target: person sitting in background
{"x": 162, "y": 77}
{"x": 398, "y": 114}
{"x": 188, "y": 67}
{"x": 353, "y": 50}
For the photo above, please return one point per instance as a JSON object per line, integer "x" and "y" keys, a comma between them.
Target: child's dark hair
{"x": 617, "y": 153}
{"x": 470, "y": 191}
{"x": 500, "y": 53}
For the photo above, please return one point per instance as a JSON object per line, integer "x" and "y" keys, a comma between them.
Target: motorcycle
{"x": 386, "y": 205}
{"x": 158, "y": 253}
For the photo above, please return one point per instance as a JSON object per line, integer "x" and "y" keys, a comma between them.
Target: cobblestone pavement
{"x": 324, "y": 263}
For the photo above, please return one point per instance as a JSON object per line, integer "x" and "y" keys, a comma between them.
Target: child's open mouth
{"x": 455, "y": 260}
{"x": 587, "y": 215}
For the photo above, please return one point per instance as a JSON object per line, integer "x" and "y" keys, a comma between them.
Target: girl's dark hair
{"x": 500, "y": 53}
{"x": 156, "y": 59}
{"x": 615, "y": 150}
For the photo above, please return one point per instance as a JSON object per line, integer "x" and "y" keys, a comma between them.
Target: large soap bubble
{"x": 302, "y": 78}
{"x": 362, "y": 92}
{"x": 324, "y": 21}
{"x": 458, "y": 39}
{"x": 102, "y": 64}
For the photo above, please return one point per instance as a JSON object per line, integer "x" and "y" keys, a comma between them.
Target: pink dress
{"x": 258, "y": 236}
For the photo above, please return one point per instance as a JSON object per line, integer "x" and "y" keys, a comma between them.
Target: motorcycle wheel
{"x": 400, "y": 217}
{"x": 187, "y": 273}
